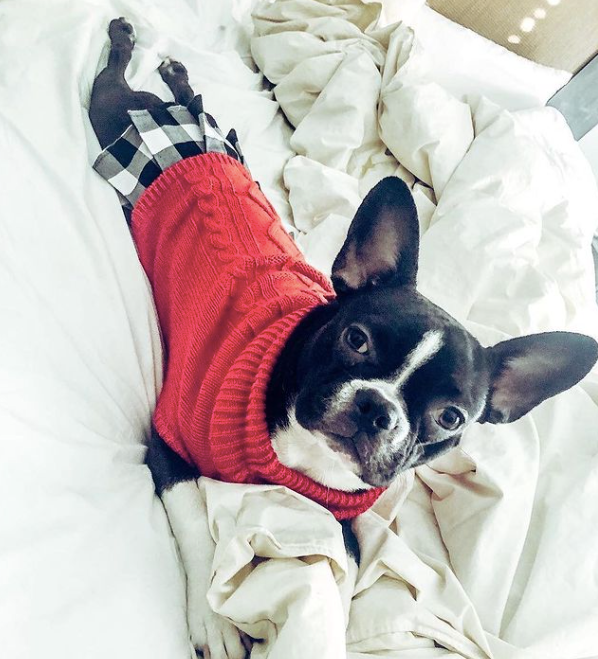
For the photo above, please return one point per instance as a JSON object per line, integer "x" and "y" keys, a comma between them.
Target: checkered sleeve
{"x": 155, "y": 140}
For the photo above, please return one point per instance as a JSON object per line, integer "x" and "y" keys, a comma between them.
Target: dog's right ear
{"x": 529, "y": 369}
{"x": 382, "y": 245}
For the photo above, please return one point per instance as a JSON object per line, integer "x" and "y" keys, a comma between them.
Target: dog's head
{"x": 385, "y": 380}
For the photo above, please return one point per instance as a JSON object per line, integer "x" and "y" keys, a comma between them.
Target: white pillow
{"x": 466, "y": 63}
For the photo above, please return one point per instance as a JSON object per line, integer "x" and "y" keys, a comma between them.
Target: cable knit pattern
{"x": 230, "y": 286}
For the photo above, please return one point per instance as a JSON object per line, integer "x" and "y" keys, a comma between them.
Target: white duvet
{"x": 489, "y": 552}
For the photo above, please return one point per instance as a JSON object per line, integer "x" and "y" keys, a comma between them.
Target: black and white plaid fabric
{"x": 155, "y": 140}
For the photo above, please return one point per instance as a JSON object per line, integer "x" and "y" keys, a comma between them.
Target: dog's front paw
{"x": 215, "y": 637}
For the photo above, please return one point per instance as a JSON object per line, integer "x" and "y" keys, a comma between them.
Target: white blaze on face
{"x": 422, "y": 353}
{"x": 430, "y": 344}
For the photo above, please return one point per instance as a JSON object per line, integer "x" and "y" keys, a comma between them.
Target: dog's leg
{"x": 347, "y": 587}
{"x": 122, "y": 39}
{"x": 111, "y": 96}
{"x": 176, "y": 483}
{"x": 175, "y": 76}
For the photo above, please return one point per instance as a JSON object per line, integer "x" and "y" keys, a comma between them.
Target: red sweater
{"x": 229, "y": 286}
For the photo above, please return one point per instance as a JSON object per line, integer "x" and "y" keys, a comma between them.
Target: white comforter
{"x": 489, "y": 552}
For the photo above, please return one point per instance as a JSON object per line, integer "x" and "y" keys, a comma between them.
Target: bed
{"x": 489, "y": 552}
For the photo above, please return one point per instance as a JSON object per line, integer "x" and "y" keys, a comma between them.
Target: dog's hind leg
{"x": 111, "y": 96}
{"x": 175, "y": 76}
{"x": 122, "y": 40}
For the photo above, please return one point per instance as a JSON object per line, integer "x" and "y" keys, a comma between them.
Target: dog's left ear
{"x": 528, "y": 370}
{"x": 382, "y": 244}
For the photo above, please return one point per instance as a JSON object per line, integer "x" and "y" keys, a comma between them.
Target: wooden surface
{"x": 565, "y": 38}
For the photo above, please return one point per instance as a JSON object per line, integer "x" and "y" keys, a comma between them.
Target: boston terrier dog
{"x": 373, "y": 380}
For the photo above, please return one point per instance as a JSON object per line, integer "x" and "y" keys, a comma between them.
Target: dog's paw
{"x": 216, "y": 638}
{"x": 121, "y": 32}
{"x": 171, "y": 70}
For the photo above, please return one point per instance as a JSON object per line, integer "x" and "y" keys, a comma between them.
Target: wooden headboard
{"x": 559, "y": 33}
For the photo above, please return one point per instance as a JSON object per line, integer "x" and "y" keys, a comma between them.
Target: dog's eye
{"x": 449, "y": 418}
{"x": 357, "y": 340}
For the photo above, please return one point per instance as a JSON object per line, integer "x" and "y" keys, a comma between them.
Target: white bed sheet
{"x": 87, "y": 564}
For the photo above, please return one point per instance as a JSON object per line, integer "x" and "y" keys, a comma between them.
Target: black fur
{"x": 111, "y": 96}
{"x": 351, "y": 543}
{"x": 167, "y": 466}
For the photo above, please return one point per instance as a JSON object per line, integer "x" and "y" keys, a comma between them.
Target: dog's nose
{"x": 373, "y": 412}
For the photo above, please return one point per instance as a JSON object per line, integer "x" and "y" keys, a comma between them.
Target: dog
{"x": 372, "y": 380}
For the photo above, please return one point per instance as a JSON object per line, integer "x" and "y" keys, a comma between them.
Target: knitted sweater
{"x": 230, "y": 286}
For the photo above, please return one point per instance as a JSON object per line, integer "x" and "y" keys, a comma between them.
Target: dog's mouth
{"x": 376, "y": 467}
{"x": 344, "y": 444}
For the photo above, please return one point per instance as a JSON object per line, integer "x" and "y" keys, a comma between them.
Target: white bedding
{"x": 87, "y": 564}
{"x": 487, "y": 553}
{"x": 464, "y": 62}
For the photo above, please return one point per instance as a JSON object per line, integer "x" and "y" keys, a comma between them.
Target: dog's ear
{"x": 382, "y": 244}
{"x": 530, "y": 369}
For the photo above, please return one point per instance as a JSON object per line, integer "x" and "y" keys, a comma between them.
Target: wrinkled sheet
{"x": 489, "y": 552}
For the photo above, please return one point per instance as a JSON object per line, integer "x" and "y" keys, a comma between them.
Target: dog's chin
{"x": 372, "y": 468}
{"x": 342, "y": 444}
{"x": 377, "y": 479}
